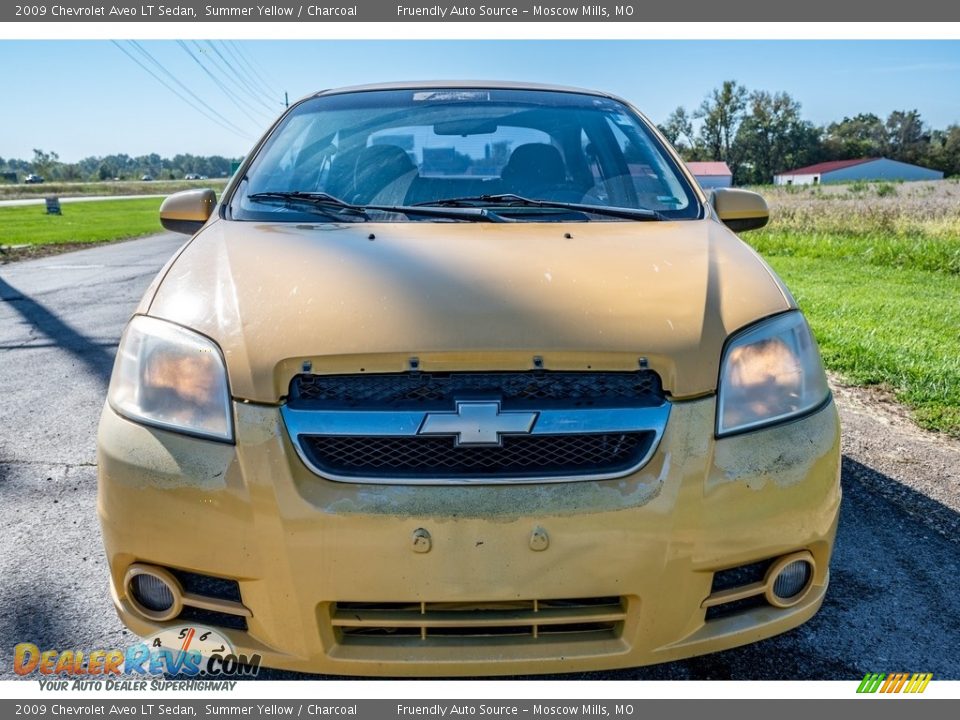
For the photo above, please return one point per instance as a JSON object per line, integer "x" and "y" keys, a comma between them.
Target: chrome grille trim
{"x": 302, "y": 423}
{"x": 407, "y": 424}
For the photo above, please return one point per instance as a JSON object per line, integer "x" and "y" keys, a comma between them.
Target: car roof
{"x": 465, "y": 85}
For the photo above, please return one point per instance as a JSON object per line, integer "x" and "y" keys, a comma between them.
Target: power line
{"x": 222, "y": 122}
{"x": 216, "y": 82}
{"x": 143, "y": 51}
{"x": 249, "y": 63}
{"x": 251, "y": 91}
{"x": 262, "y": 86}
{"x": 243, "y": 74}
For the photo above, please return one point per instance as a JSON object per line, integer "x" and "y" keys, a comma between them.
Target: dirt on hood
{"x": 365, "y": 297}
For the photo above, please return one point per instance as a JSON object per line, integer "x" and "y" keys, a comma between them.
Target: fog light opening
{"x": 153, "y": 592}
{"x": 789, "y": 579}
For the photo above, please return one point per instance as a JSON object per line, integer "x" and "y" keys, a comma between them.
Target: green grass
{"x": 893, "y": 327}
{"x": 876, "y": 269}
{"x": 81, "y": 222}
{"x": 892, "y": 249}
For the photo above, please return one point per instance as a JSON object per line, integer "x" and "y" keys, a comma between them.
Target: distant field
{"x": 82, "y": 222}
{"x": 118, "y": 187}
{"x": 876, "y": 268}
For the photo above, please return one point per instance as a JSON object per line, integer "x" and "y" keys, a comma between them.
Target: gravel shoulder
{"x": 917, "y": 470}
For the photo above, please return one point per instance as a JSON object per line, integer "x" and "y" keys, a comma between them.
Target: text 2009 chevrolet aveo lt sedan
{"x": 468, "y": 379}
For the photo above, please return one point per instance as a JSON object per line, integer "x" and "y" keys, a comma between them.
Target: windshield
{"x": 382, "y": 151}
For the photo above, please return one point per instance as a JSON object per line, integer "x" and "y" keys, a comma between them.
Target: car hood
{"x": 364, "y": 297}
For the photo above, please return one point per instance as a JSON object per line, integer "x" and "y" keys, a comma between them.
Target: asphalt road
{"x": 892, "y": 606}
{"x": 85, "y": 198}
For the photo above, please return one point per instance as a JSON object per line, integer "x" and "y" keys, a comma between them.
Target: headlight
{"x": 770, "y": 372}
{"x": 173, "y": 378}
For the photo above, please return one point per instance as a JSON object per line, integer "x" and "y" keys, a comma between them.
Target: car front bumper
{"x": 473, "y": 580}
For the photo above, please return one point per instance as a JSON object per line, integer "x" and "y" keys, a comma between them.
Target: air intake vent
{"x": 589, "y": 618}
{"x": 425, "y": 391}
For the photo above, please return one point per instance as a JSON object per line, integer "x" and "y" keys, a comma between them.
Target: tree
{"x": 71, "y": 172}
{"x": 49, "y": 165}
{"x": 678, "y": 129}
{"x": 772, "y": 137}
{"x": 907, "y": 139}
{"x": 861, "y": 136}
{"x": 721, "y": 113}
{"x": 44, "y": 162}
{"x": 945, "y": 150}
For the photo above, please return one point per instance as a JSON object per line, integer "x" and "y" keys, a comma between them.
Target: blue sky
{"x": 81, "y": 98}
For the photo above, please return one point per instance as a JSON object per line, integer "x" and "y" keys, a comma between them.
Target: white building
{"x": 711, "y": 174}
{"x": 866, "y": 169}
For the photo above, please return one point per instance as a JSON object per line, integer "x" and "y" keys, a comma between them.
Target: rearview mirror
{"x": 740, "y": 210}
{"x": 187, "y": 211}
{"x": 466, "y": 127}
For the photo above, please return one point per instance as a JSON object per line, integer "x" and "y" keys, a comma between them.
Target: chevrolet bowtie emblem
{"x": 477, "y": 423}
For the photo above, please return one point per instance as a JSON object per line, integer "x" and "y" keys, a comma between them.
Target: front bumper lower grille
{"x": 209, "y": 587}
{"x": 542, "y": 456}
{"x": 400, "y": 623}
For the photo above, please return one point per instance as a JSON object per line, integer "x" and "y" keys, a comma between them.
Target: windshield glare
{"x": 410, "y": 147}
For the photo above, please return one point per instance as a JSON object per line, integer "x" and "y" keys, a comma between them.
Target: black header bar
{"x": 324, "y": 11}
{"x": 216, "y": 707}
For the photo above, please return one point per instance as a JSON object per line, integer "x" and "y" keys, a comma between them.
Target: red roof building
{"x": 865, "y": 169}
{"x": 711, "y": 174}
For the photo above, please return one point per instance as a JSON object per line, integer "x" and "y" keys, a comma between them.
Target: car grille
{"x": 518, "y": 456}
{"x": 440, "y": 390}
{"x": 207, "y": 585}
{"x": 372, "y": 428}
{"x": 738, "y": 577}
{"x": 423, "y": 622}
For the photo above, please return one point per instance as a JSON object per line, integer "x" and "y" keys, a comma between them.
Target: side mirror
{"x": 187, "y": 211}
{"x": 740, "y": 210}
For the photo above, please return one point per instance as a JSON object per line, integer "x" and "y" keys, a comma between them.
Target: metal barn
{"x": 867, "y": 169}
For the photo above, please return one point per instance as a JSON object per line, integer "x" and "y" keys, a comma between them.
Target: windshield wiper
{"x": 451, "y": 212}
{"x": 324, "y": 202}
{"x": 511, "y": 200}
{"x": 335, "y": 207}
